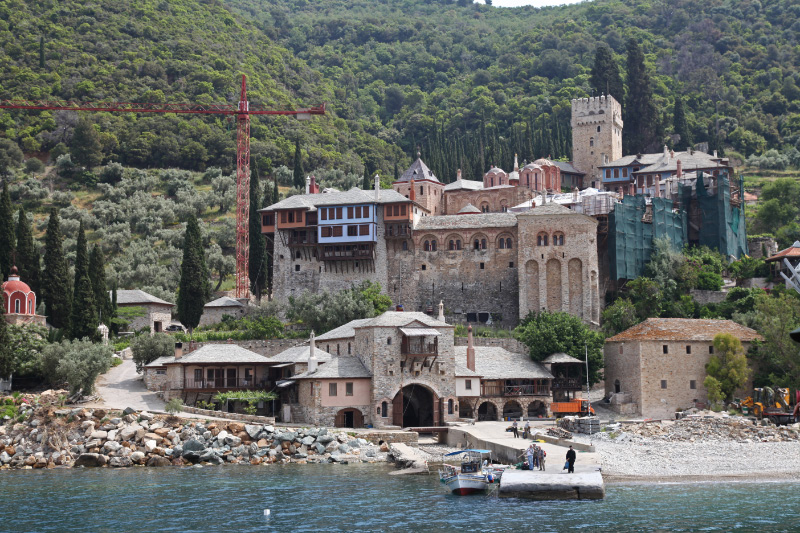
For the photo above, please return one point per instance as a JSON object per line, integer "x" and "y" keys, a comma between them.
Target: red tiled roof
{"x": 684, "y": 329}
{"x": 792, "y": 251}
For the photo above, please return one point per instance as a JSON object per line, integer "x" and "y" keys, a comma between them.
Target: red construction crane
{"x": 242, "y": 110}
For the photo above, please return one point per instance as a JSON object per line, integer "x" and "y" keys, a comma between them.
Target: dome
{"x": 531, "y": 166}
{"x": 14, "y": 284}
{"x": 496, "y": 170}
{"x": 469, "y": 209}
{"x": 544, "y": 162}
{"x": 513, "y": 176}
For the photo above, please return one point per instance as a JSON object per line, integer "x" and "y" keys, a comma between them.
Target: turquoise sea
{"x": 364, "y": 498}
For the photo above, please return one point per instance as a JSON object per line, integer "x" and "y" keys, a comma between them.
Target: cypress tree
{"x": 83, "y": 319}
{"x": 605, "y": 77}
{"x": 365, "y": 185}
{"x": 85, "y": 147}
{"x": 680, "y": 126}
{"x": 6, "y": 356}
{"x": 641, "y": 119}
{"x": 97, "y": 275}
{"x": 396, "y": 171}
{"x": 276, "y": 195}
{"x": 27, "y": 256}
{"x": 41, "y": 51}
{"x": 55, "y": 277}
{"x": 6, "y": 233}
{"x": 194, "y": 286}
{"x": 258, "y": 248}
{"x": 298, "y": 179}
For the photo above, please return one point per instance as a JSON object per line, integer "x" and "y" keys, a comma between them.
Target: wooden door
{"x": 437, "y": 408}
{"x": 397, "y": 409}
{"x": 358, "y": 419}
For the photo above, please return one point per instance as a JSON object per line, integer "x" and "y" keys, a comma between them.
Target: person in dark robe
{"x": 571, "y": 460}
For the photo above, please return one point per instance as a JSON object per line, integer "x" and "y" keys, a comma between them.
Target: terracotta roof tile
{"x": 684, "y": 329}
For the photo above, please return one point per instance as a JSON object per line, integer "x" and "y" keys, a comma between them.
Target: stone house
{"x": 336, "y": 393}
{"x": 224, "y": 306}
{"x": 658, "y": 366}
{"x": 157, "y": 313}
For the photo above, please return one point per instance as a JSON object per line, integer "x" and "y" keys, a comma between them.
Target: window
{"x": 663, "y": 383}
{"x": 482, "y": 265}
{"x": 297, "y": 255}
{"x": 325, "y": 231}
{"x": 539, "y": 240}
{"x": 591, "y": 141}
{"x": 433, "y": 246}
{"x": 688, "y": 349}
{"x": 692, "y": 384}
{"x": 620, "y": 349}
{"x": 331, "y": 389}
{"x": 323, "y": 214}
{"x": 421, "y": 192}
{"x": 511, "y": 264}
{"x": 363, "y": 229}
{"x": 349, "y": 349}
{"x": 283, "y": 217}
{"x": 451, "y": 245}
{"x": 468, "y": 384}
{"x": 358, "y": 211}
{"x": 384, "y": 409}
{"x": 477, "y": 244}
{"x": 337, "y": 231}
{"x": 348, "y": 389}
{"x": 350, "y": 212}
{"x": 424, "y": 267}
{"x": 458, "y": 244}
{"x": 616, "y": 173}
{"x": 338, "y": 212}
{"x": 365, "y": 211}
{"x": 665, "y": 348}
{"x": 711, "y": 349}
{"x": 352, "y": 231}
{"x": 297, "y": 268}
{"x": 483, "y": 244}
{"x": 598, "y": 129}
{"x": 16, "y": 306}
{"x": 405, "y": 246}
{"x": 402, "y": 210}
{"x": 625, "y": 172}
{"x": 508, "y": 243}
{"x": 198, "y": 375}
{"x": 450, "y": 406}
{"x": 389, "y": 341}
{"x": 328, "y": 348}
{"x": 426, "y": 246}
{"x": 502, "y": 244}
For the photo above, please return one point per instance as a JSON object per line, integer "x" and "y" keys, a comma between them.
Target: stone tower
{"x": 596, "y": 135}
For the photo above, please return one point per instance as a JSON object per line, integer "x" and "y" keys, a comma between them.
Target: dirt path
{"x": 122, "y": 387}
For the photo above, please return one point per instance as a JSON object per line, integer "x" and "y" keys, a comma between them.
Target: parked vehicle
{"x": 575, "y": 407}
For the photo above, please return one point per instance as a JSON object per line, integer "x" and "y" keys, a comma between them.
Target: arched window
{"x": 433, "y": 246}
{"x": 598, "y": 129}
{"x": 501, "y": 244}
{"x": 450, "y": 406}
{"x": 384, "y": 409}
{"x": 558, "y": 239}
{"x": 30, "y": 307}
{"x": 458, "y": 244}
{"x": 483, "y": 244}
{"x": 508, "y": 243}
{"x": 539, "y": 240}
{"x": 451, "y": 245}
{"x": 492, "y": 180}
{"x": 349, "y": 349}
{"x": 485, "y": 208}
{"x": 477, "y": 244}
{"x": 16, "y": 306}
{"x": 561, "y": 240}
{"x": 427, "y": 246}
{"x": 591, "y": 141}
{"x": 421, "y": 190}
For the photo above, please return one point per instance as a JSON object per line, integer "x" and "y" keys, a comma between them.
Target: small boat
{"x": 471, "y": 477}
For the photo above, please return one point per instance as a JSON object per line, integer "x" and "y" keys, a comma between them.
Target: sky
{"x": 535, "y": 3}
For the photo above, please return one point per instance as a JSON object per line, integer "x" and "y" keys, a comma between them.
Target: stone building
{"x": 157, "y": 313}
{"x": 656, "y": 367}
{"x": 19, "y": 301}
{"x": 596, "y": 136}
{"x": 225, "y": 306}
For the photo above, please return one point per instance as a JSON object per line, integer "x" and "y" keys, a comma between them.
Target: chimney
{"x": 412, "y": 195}
{"x": 516, "y": 164}
{"x": 313, "y": 188}
{"x": 308, "y": 184}
{"x": 441, "y": 311}
{"x": 178, "y": 350}
{"x": 399, "y": 308}
{"x": 715, "y": 154}
{"x": 666, "y": 150}
{"x": 657, "y": 183}
{"x": 574, "y": 195}
{"x": 377, "y": 188}
{"x": 458, "y": 173}
{"x": 679, "y": 171}
{"x": 313, "y": 362}
{"x": 470, "y": 350}
{"x": 672, "y": 153}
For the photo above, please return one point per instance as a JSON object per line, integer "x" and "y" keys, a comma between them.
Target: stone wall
{"x": 562, "y": 277}
{"x": 153, "y": 314}
{"x": 213, "y": 315}
{"x": 707, "y": 297}
{"x": 590, "y": 146}
{"x": 512, "y": 345}
{"x": 155, "y": 381}
{"x": 758, "y": 246}
{"x": 241, "y": 417}
{"x": 494, "y": 201}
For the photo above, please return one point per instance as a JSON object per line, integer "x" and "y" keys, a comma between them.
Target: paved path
{"x": 122, "y": 387}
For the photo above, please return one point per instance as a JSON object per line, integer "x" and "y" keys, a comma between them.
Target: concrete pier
{"x": 552, "y": 484}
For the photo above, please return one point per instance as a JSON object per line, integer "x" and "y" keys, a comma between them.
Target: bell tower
{"x": 596, "y": 135}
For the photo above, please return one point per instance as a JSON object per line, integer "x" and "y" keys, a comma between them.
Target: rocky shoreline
{"x": 50, "y": 437}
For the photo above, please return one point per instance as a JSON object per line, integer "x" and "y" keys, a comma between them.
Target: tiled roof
{"x": 351, "y": 197}
{"x": 496, "y": 170}
{"x": 418, "y": 171}
{"x": 469, "y": 209}
{"x": 560, "y": 358}
{"x": 483, "y": 220}
{"x": 498, "y": 363}
{"x": 225, "y": 301}
{"x": 160, "y": 361}
{"x": 219, "y": 353}
{"x": 463, "y": 185}
{"x": 667, "y": 161}
{"x": 131, "y": 297}
{"x": 792, "y": 251}
{"x": 338, "y": 367}
{"x": 684, "y": 329}
{"x": 551, "y": 208}
{"x": 400, "y": 319}
{"x": 566, "y": 166}
{"x": 463, "y": 372}
{"x": 343, "y": 332}
{"x": 299, "y": 354}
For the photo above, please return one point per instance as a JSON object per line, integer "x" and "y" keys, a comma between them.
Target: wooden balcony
{"x": 221, "y": 384}
{"x": 568, "y": 384}
{"x": 419, "y": 346}
{"x": 343, "y": 252}
{"x": 539, "y": 388}
{"x": 397, "y": 231}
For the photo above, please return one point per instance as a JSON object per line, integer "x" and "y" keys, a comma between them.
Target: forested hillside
{"x": 473, "y": 84}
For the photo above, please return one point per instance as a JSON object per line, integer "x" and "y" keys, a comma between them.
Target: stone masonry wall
{"x": 512, "y": 345}
{"x": 624, "y": 367}
{"x": 589, "y": 146}
{"x": 213, "y": 315}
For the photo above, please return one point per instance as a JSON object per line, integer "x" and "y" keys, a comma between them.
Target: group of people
{"x": 526, "y": 430}
{"x": 536, "y": 456}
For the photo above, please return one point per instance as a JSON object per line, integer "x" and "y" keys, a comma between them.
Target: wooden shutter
{"x": 397, "y": 409}
{"x": 340, "y": 419}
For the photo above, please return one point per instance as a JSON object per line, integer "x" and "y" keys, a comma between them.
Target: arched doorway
{"x": 349, "y": 418}
{"x": 415, "y": 406}
{"x": 617, "y": 387}
{"x": 512, "y": 409}
{"x": 465, "y": 409}
{"x": 487, "y": 411}
{"x": 537, "y": 408}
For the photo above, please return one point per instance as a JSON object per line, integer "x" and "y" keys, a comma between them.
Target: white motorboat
{"x": 470, "y": 477}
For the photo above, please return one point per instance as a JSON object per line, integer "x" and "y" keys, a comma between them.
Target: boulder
{"x": 319, "y": 448}
{"x": 222, "y": 435}
{"x": 5, "y": 458}
{"x": 115, "y": 421}
{"x": 162, "y": 432}
{"x": 99, "y": 413}
{"x": 30, "y": 460}
{"x": 158, "y": 461}
{"x": 193, "y": 445}
{"x": 255, "y": 460}
{"x": 262, "y": 443}
{"x": 144, "y": 415}
{"x": 344, "y": 448}
{"x": 10, "y": 450}
{"x": 129, "y": 433}
{"x": 235, "y": 427}
{"x": 150, "y": 445}
{"x": 269, "y": 429}
{"x": 89, "y": 459}
{"x": 112, "y": 435}
{"x": 111, "y": 446}
{"x": 138, "y": 457}
{"x": 253, "y": 431}
{"x": 233, "y": 441}
{"x": 120, "y": 462}
{"x": 128, "y": 411}
{"x": 99, "y": 435}
{"x": 307, "y": 440}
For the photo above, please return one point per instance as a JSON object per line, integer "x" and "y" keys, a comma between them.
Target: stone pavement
{"x": 122, "y": 387}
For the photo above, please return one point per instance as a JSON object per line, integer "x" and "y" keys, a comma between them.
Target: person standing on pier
{"x": 571, "y": 460}
{"x": 540, "y": 454}
{"x": 531, "y": 452}
{"x": 514, "y": 430}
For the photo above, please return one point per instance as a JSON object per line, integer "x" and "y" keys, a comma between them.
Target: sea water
{"x": 364, "y": 498}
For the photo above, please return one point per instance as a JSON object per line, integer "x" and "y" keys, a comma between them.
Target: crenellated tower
{"x": 596, "y": 135}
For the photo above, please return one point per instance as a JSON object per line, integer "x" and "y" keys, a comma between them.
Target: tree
{"x": 777, "y": 356}
{"x": 728, "y": 365}
{"x": 83, "y": 318}
{"x": 298, "y": 178}
{"x": 28, "y": 262}
{"x": 605, "y": 77}
{"x": 646, "y": 297}
{"x": 77, "y": 363}
{"x": 10, "y": 156}
{"x": 619, "y": 316}
{"x": 194, "y": 288}
{"x": 85, "y": 147}
{"x": 146, "y": 349}
{"x": 680, "y": 126}
{"x": 547, "y": 333}
{"x": 372, "y": 293}
{"x": 97, "y": 275}
{"x": 26, "y": 343}
{"x": 6, "y": 357}
{"x": 258, "y": 246}
{"x": 365, "y": 185}
{"x": 7, "y": 240}
{"x": 323, "y": 311}
{"x": 640, "y": 111}
{"x": 55, "y": 277}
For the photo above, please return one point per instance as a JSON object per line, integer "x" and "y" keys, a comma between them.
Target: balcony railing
{"x": 568, "y": 384}
{"x": 534, "y": 389}
{"x": 309, "y": 240}
{"x": 354, "y": 252}
{"x": 222, "y": 383}
{"x": 419, "y": 346}
{"x": 397, "y": 231}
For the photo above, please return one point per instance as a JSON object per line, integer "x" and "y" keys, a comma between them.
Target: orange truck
{"x": 574, "y": 407}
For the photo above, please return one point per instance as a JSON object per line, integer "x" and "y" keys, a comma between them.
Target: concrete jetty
{"x": 552, "y": 484}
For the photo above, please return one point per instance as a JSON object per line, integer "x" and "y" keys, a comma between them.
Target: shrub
{"x": 174, "y": 406}
{"x": 76, "y": 363}
{"x": 147, "y": 349}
